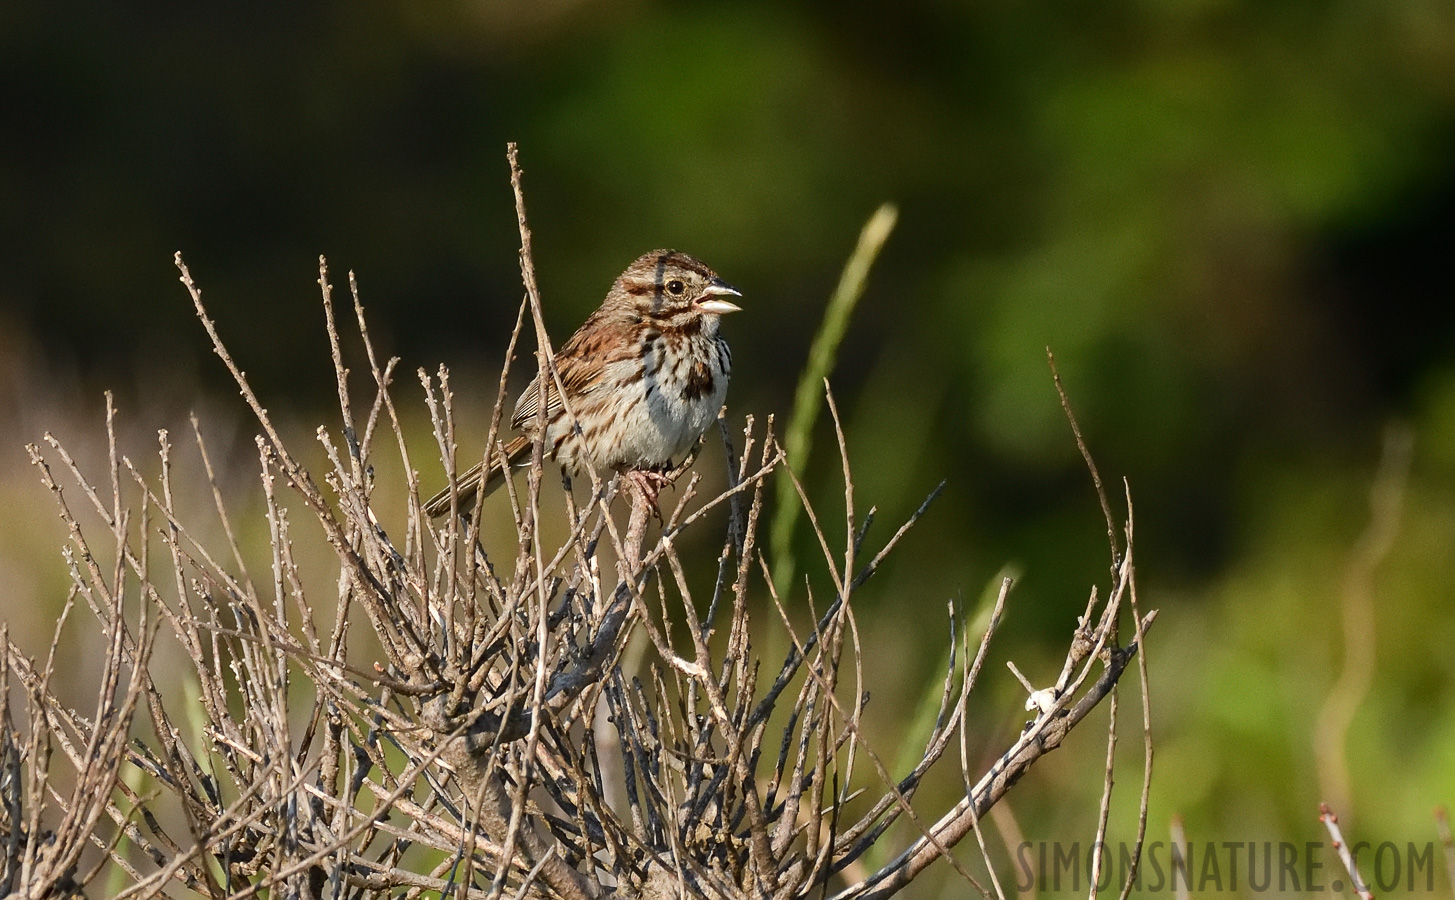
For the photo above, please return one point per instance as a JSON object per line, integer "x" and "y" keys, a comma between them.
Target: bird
{"x": 644, "y": 377}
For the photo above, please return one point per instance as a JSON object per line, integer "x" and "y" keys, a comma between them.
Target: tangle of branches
{"x": 568, "y": 718}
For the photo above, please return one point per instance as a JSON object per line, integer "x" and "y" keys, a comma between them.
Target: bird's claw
{"x": 649, "y": 483}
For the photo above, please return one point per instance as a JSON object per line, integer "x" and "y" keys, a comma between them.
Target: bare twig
{"x": 1447, "y": 843}
{"x": 1101, "y": 497}
{"x": 1331, "y": 822}
{"x": 1181, "y": 879}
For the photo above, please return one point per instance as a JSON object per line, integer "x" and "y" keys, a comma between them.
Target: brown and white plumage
{"x": 644, "y": 377}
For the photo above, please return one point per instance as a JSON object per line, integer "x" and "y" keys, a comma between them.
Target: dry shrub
{"x": 489, "y": 739}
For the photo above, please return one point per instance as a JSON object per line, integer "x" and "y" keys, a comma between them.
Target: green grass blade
{"x": 808, "y": 400}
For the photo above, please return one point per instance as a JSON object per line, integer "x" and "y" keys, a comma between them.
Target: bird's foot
{"x": 648, "y": 483}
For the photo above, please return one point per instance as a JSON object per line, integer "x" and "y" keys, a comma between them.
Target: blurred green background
{"x": 1233, "y": 222}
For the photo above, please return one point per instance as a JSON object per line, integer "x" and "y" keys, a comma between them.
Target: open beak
{"x": 712, "y": 298}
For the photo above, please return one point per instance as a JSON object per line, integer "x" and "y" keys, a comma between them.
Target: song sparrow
{"x": 644, "y": 378}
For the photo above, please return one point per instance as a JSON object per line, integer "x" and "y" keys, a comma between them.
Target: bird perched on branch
{"x": 644, "y": 377}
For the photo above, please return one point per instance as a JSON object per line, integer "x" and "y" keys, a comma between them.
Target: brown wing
{"x": 580, "y": 361}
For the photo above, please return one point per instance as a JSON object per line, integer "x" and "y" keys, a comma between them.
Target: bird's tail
{"x": 476, "y": 479}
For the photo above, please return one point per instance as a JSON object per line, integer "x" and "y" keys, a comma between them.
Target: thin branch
{"x": 1331, "y": 822}
{"x": 1101, "y": 497}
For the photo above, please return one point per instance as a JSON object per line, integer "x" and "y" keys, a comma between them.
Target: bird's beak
{"x": 712, "y": 298}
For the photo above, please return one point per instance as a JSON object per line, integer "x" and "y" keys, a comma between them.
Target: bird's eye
{"x": 675, "y": 287}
